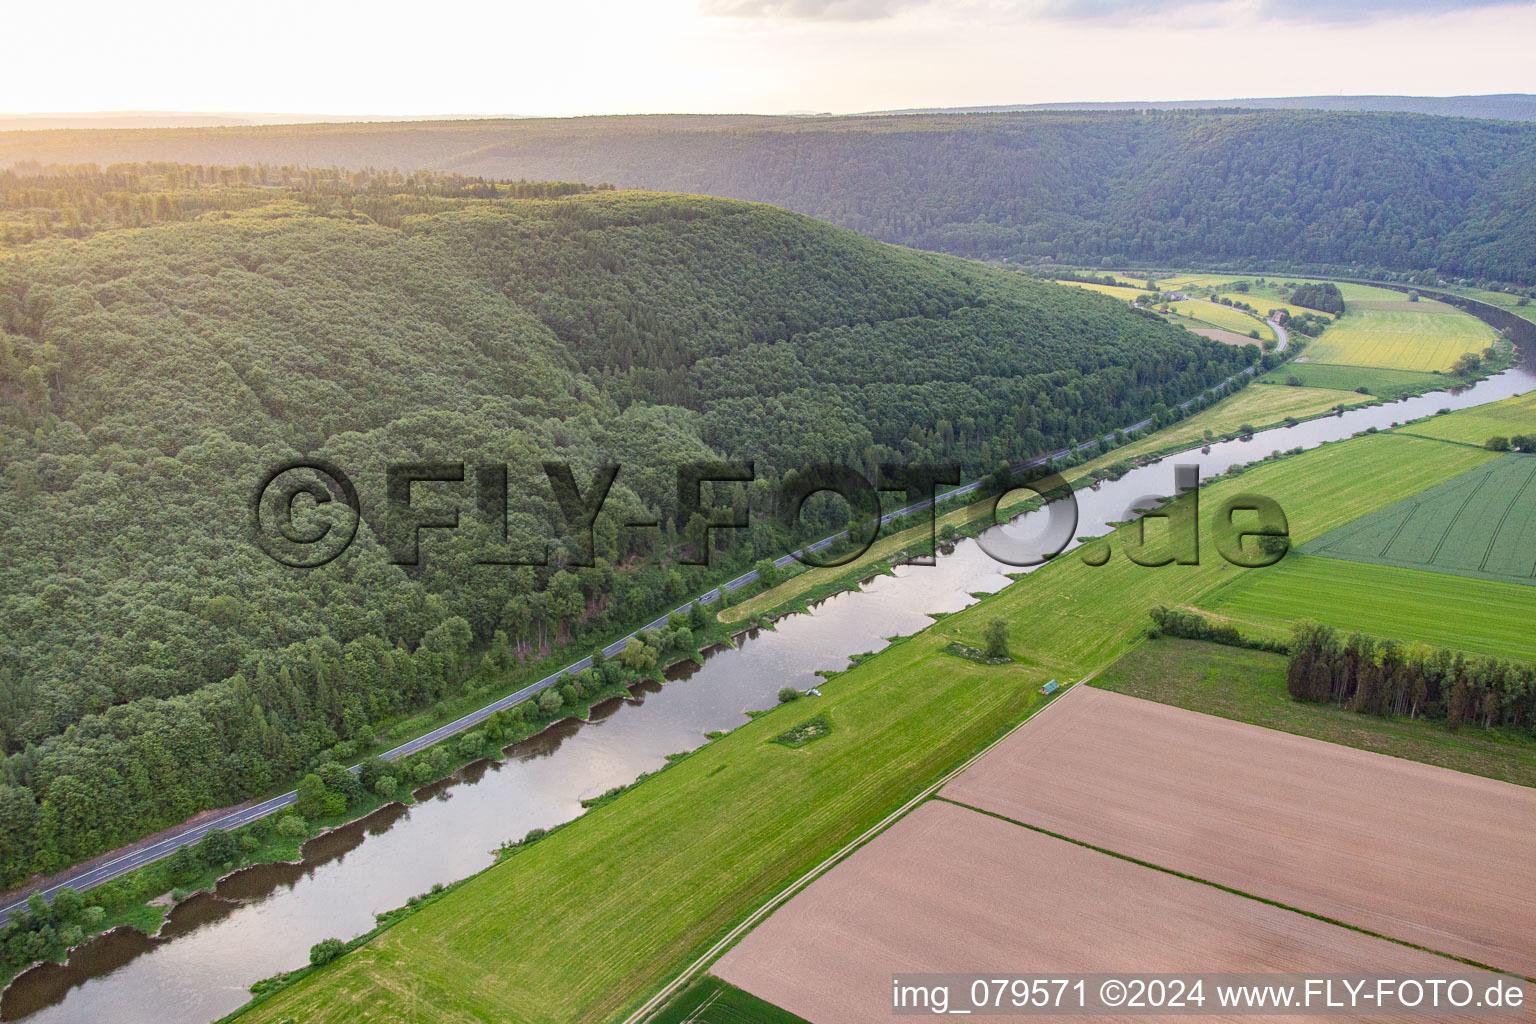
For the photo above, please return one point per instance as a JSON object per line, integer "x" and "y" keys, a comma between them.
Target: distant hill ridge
{"x": 1509, "y": 106}
{"x": 1352, "y": 192}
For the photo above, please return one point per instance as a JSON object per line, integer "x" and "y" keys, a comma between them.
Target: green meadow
{"x": 1407, "y": 604}
{"x": 1377, "y": 382}
{"x": 1508, "y": 418}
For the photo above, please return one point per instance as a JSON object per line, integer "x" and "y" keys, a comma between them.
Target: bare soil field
{"x": 950, "y": 889}
{"x": 1225, "y": 337}
{"x": 1411, "y": 851}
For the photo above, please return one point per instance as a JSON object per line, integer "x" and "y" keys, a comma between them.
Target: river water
{"x": 263, "y": 920}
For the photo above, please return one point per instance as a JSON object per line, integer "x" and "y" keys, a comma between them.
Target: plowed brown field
{"x": 1411, "y": 851}
{"x": 950, "y": 889}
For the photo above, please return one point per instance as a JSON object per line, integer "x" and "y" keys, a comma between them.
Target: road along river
{"x": 263, "y": 920}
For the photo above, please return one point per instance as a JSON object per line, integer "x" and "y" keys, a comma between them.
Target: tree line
{"x": 1387, "y": 677}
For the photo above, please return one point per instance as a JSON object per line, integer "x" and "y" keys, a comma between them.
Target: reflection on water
{"x": 263, "y": 920}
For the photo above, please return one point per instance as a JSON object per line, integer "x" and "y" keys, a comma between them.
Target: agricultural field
{"x": 1221, "y": 317}
{"x": 1378, "y": 383}
{"x": 622, "y": 896}
{"x": 951, "y": 889}
{"x": 1113, "y": 291}
{"x": 1249, "y": 686}
{"x": 1400, "y": 339}
{"x": 1475, "y": 426}
{"x": 1225, "y": 337}
{"x": 1481, "y": 524}
{"x": 1183, "y": 282}
{"x": 1459, "y": 612}
{"x": 1373, "y": 842}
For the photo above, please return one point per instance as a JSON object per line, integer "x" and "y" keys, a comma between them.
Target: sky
{"x": 573, "y": 57}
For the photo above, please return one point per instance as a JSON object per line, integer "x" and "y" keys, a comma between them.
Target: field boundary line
{"x": 1227, "y": 888}
{"x": 659, "y": 999}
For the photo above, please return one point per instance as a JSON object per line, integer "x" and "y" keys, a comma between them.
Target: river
{"x": 263, "y": 920}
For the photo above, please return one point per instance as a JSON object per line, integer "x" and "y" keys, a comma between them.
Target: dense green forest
{"x": 1284, "y": 189}
{"x": 169, "y": 333}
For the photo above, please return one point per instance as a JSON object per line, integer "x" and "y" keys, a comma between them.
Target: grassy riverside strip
{"x": 623, "y": 895}
{"x": 1249, "y": 686}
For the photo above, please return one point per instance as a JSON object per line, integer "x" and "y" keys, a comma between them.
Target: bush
{"x": 291, "y": 826}
{"x": 1497, "y": 444}
{"x": 385, "y": 786}
{"x": 324, "y": 951}
{"x": 471, "y": 743}
{"x": 340, "y": 781}
{"x": 217, "y": 847}
{"x": 789, "y": 694}
{"x": 549, "y": 701}
{"x": 768, "y": 574}
{"x": 995, "y": 638}
{"x": 371, "y": 770}
{"x": 1193, "y": 626}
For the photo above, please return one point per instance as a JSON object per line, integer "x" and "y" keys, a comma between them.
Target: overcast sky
{"x": 564, "y": 57}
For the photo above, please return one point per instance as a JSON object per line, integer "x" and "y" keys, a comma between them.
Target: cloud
{"x": 811, "y": 10}
{"x": 1270, "y": 10}
{"x": 1094, "y": 10}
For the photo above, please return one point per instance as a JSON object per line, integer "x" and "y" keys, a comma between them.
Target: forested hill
{"x": 1356, "y": 191}
{"x": 171, "y": 333}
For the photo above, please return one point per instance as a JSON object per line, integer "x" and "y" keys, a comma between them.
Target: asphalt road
{"x": 137, "y": 856}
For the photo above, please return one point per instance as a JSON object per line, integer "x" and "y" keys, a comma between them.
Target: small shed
{"x": 1049, "y": 688}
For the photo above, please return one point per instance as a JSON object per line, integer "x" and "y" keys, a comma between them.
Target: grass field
{"x": 712, "y": 1001}
{"x": 1367, "y": 293}
{"x": 1378, "y": 383}
{"x": 1399, "y": 339}
{"x": 1503, "y": 300}
{"x": 1480, "y": 524}
{"x": 1384, "y": 600}
{"x": 1249, "y": 686}
{"x": 1475, "y": 426}
{"x": 586, "y": 922}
